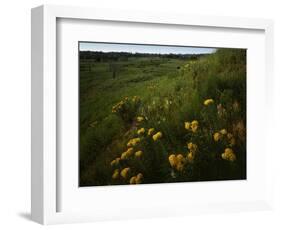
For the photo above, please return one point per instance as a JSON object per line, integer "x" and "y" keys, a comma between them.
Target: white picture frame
{"x": 45, "y": 90}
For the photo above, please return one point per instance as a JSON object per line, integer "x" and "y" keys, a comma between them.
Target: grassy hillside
{"x": 151, "y": 117}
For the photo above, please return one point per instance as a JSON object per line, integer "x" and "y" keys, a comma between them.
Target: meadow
{"x": 162, "y": 118}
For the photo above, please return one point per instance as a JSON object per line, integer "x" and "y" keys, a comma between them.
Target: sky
{"x": 133, "y": 48}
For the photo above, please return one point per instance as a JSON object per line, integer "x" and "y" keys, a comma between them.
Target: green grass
{"x": 171, "y": 92}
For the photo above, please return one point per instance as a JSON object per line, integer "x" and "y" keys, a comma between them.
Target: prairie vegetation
{"x": 162, "y": 118}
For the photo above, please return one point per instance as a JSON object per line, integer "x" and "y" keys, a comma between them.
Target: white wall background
{"x": 15, "y": 113}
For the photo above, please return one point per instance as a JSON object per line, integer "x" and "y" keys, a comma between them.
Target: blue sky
{"x": 132, "y": 48}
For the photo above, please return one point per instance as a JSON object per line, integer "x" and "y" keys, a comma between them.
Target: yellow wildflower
{"x": 194, "y": 122}
{"x": 150, "y": 131}
{"x": 115, "y": 174}
{"x": 133, "y": 180}
{"x": 133, "y": 142}
{"x": 180, "y": 158}
{"x": 190, "y": 156}
{"x": 228, "y": 155}
{"x": 192, "y": 147}
{"x": 141, "y": 131}
{"x": 124, "y": 172}
{"x": 208, "y": 102}
{"x": 112, "y": 163}
{"x": 139, "y": 178}
{"x": 194, "y": 126}
{"x": 138, "y": 153}
{"x": 180, "y": 162}
{"x": 157, "y": 136}
{"x": 140, "y": 118}
{"x": 217, "y": 136}
{"x": 127, "y": 154}
{"x": 118, "y": 106}
{"x": 173, "y": 160}
{"x": 187, "y": 125}
{"x": 223, "y": 131}
{"x": 228, "y": 151}
{"x": 130, "y": 151}
{"x": 115, "y": 161}
{"x": 177, "y": 161}
{"x": 124, "y": 156}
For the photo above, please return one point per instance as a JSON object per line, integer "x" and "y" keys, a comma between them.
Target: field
{"x": 162, "y": 118}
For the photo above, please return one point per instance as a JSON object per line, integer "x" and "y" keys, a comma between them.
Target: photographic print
{"x": 161, "y": 114}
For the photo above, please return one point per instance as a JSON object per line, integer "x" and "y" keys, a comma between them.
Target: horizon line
{"x": 98, "y": 51}
{"x": 143, "y": 48}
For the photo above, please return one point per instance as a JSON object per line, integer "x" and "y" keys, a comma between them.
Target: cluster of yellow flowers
{"x": 115, "y": 174}
{"x": 193, "y": 126}
{"x": 115, "y": 162}
{"x": 192, "y": 147}
{"x": 157, "y": 136}
{"x": 124, "y": 172}
{"x": 138, "y": 153}
{"x": 127, "y": 154}
{"x": 228, "y": 155}
{"x": 224, "y": 134}
{"x": 141, "y": 131}
{"x": 119, "y": 106}
{"x": 136, "y": 179}
{"x": 217, "y": 136}
{"x": 177, "y": 161}
{"x": 208, "y": 102}
{"x": 150, "y": 131}
{"x": 133, "y": 142}
{"x": 192, "y": 151}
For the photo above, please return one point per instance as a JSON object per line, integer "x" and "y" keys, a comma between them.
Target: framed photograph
{"x": 141, "y": 114}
